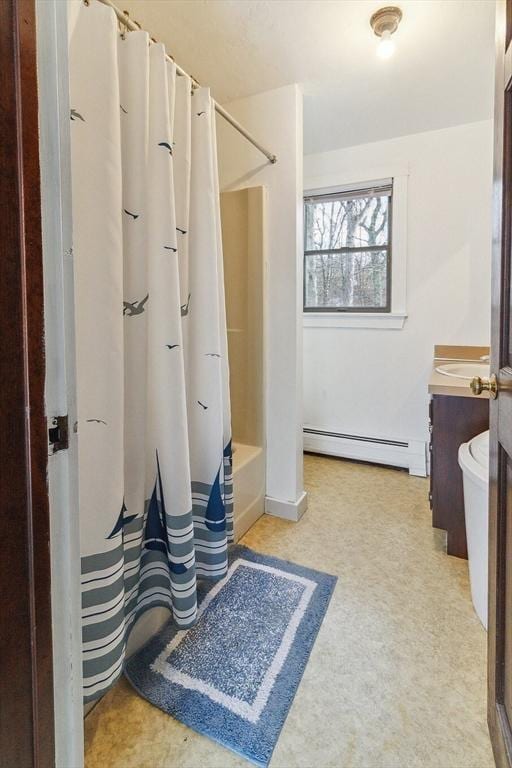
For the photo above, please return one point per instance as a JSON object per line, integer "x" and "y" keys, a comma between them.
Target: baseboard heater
{"x": 411, "y": 455}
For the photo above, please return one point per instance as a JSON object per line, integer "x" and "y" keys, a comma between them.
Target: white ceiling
{"x": 441, "y": 74}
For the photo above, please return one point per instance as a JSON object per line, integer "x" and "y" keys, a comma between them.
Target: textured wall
{"x": 374, "y": 382}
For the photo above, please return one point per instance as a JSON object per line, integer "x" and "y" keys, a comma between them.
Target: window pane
{"x": 346, "y": 223}
{"x": 346, "y": 280}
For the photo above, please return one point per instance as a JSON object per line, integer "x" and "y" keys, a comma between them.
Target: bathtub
{"x": 248, "y": 486}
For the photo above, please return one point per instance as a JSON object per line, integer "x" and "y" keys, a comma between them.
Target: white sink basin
{"x": 464, "y": 370}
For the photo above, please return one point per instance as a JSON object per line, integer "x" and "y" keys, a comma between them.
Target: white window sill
{"x": 382, "y": 320}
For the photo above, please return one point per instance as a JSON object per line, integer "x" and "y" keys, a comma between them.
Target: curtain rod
{"x": 134, "y": 27}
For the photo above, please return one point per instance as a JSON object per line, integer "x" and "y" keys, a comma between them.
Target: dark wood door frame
{"x": 26, "y": 672}
{"x": 500, "y": 470}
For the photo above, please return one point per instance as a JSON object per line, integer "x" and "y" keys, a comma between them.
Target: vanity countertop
{"x": 439, "y": 384}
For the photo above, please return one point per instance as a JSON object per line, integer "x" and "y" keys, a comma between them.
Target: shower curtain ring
{"x": 123, "y": 29}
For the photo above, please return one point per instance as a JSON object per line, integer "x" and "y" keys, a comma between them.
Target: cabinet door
{"x": 455, "y": 420}
{"x": 431, "y": 455}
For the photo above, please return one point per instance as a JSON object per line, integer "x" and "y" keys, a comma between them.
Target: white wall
{"x": 373, "y": 382}
{"x": 275, "y": 119}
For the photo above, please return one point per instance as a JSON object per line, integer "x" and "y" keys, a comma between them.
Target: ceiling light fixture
{"x": 384, "y": 23}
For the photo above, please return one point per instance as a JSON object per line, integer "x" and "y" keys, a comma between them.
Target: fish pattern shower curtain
{"x": 154, "y": 434}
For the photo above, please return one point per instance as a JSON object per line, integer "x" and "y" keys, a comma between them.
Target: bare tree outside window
{"x": 347, "y": 257}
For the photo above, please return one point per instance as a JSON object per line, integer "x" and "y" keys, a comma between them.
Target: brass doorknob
{"x": 481, "y": 384}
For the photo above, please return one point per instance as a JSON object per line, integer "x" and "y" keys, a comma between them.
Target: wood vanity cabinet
{"x": 453, "y": 420}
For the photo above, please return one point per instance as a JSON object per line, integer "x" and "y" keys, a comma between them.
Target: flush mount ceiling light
{"x": 384, "y": 23}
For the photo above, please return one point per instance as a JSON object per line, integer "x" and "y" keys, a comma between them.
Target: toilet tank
{"x": 474, "y": 462}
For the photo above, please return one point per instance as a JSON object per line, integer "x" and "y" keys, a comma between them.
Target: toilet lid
{"x": 479, "y": 449}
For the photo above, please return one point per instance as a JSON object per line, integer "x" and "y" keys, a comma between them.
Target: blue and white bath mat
{"x": 233, "y": 676}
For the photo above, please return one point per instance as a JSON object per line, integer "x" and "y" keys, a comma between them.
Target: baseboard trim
{"x": 288, "y": 510}
{"x": 411, "y": 455}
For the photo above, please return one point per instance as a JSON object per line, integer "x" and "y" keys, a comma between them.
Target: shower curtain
{"x": 154, "y": 435}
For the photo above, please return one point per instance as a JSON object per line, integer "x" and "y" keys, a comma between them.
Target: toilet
{"x": 474, "y": 462}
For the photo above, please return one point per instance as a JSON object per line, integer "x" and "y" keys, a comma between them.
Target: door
{"x": 500, "y": 500}
{"x": 26, "y": 673}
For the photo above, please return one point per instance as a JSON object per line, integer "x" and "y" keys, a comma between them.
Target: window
{"x": 347, "y": 256}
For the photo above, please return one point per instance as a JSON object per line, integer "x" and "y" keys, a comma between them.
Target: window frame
{"x": 373, "y": 175}
{"x": 344, "y": 192}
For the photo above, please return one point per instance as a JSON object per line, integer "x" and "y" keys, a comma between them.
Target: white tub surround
{"x": 243, "y": 227}
{"x": 248, "y": 486}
